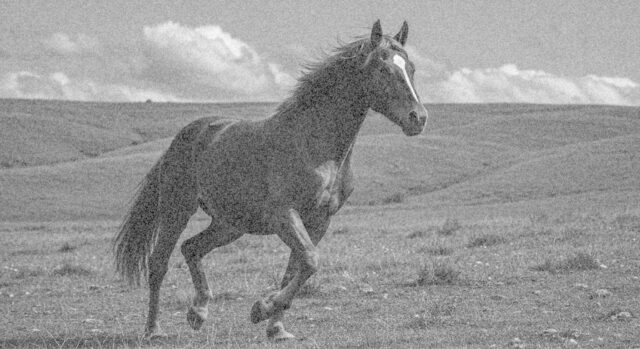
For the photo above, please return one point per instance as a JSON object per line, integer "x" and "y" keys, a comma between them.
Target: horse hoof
{"x": 154, "y": 334}
{"x": 258, "y": 312}
{"x": 279, "y": 334}
{"x": 195, "y": 317}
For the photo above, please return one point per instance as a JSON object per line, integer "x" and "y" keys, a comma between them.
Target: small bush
{"x": 438, "y": 273}
{"x": 418, "y": 234}
{"x": 67, "y": 248}
{"x": 579, "y": 262}
{"x": 394, "y": 199}
{"x": 450, "y": 226}
{"x": 72, "y": 270}
{"x": 485, "y": 241}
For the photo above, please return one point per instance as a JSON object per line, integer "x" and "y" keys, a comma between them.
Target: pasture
{"x": 501, "y": 226}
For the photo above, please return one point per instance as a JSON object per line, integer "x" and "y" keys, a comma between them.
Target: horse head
{"x": 391, "y": 87}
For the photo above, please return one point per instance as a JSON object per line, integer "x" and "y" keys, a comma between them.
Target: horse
{"x": 287, "y": 174}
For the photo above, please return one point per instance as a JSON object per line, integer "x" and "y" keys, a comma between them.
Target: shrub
{"x": 439, "y": 250}
{"x": 418, "y": 234}
{"x": 394, "y": 198}
{"x": 450, "y": 226}
{"x": 485, "y": 241}
{"x": 579, "y": 262}
{"x": 66, "y": 248}
{"x": 438, "y": 273}
{"x": 71, "y": 270}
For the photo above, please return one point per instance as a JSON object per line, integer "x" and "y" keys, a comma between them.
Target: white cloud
{"x": 208, "y": 63}
{"x": 509, "y": 84}
{"x": 179, "y": 63}
{"x": 63, "y": 44}
{"x": 25, "y": 84}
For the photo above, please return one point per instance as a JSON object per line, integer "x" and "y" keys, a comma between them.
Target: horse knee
{"x": 311, "y": 261}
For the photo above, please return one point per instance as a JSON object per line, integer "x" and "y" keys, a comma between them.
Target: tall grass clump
{"x": 68, "y": 269}
{"x": 578, "y": 262}
{"x": 438, "y": 273}
{"x": 67, "y": 247}
{"x": 485, "y": 240}
{"x": 449, "y": 227}
{"x": 438, "y": 249}
{"x": 395, "y": 198}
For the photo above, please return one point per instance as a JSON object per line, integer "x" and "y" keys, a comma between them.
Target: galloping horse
{"x": 284, "y": 175}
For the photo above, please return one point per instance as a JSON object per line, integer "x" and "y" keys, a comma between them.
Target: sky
{"x": 211, "y": 50}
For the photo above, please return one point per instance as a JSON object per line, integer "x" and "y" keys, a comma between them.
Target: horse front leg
{"x": 304, "y": 256}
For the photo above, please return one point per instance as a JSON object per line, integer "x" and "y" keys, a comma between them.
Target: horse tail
{"x": 139, "y": 230}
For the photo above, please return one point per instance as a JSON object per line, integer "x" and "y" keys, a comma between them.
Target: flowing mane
{"x": 322, "y": 75}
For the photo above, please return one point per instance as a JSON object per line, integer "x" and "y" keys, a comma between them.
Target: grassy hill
{"x": 34, "y": 132}
{"x": 82, "y": 161}
{"x": 501, "y": 226}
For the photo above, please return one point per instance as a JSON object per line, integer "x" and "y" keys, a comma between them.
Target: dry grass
{"x": 68, "y": 269}
{"x": 440, "y": 272}
{"x": 485, "y": 240}
{"x": 579, "y": 262}
{"x": 395, "y": 198}
{"x": 449, "y": 227}
{"x": 559, "y": 181}
{"x": 361, "y": 285}
{"x": 439, "y": 249}
{"x": 67, "y": 247}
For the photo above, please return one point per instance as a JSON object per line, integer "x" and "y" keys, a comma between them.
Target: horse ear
{"x": 401, "y": 37}
{"x": 376, "y": 34}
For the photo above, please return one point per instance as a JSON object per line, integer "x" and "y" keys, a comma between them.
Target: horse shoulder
{"x": 336, "y": 185}
{"x": 327, "y": 174}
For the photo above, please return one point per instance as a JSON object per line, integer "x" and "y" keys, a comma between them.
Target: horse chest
{"x": 329, "y": 192}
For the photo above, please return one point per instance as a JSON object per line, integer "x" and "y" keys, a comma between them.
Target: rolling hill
{"x": 82, "y": 161}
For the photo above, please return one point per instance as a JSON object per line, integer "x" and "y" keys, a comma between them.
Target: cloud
{"x": 208, "y": 63}
{"x": 509, "y": 84}
{"x": 173, "y": 62}
{"x": 58, "y": 85}
{"x": 62, "y": 44}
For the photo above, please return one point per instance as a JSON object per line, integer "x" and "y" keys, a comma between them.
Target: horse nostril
{"x": 413, "y": 116}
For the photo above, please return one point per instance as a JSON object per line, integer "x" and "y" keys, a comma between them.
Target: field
{"x": 512, "y": 226}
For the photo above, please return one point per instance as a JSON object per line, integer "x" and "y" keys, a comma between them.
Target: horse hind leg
{"x": 193, "y": 250}
{"x": 169, "y": 230}
{"x": 177, "y": 203}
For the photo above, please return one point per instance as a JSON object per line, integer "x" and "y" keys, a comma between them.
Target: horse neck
{"x": 328, "y": 126}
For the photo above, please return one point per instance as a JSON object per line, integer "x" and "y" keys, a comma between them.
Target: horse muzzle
{"x": 416, "y": 122}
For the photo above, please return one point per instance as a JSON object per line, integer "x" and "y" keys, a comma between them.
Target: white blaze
{"x": 400, "y": 62}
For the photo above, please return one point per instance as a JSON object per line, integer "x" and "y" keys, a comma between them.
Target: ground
{"x": 502, "y": 226}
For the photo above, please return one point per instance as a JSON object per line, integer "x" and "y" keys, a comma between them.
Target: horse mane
{"x": 321, "y": 76}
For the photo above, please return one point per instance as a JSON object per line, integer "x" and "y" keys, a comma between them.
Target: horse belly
{"x": 231, "y": 183}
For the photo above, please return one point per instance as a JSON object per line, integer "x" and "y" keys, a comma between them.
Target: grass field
{"x": 511, "y": 226}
